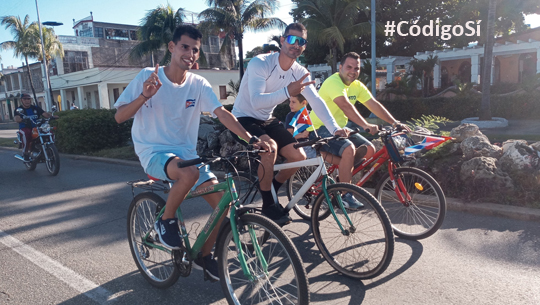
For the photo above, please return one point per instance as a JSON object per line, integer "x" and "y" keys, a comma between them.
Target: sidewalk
{"x": 9, "y": 125}
{"x": 453, "y": 204}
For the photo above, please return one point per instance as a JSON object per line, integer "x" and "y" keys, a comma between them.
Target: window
{"x": 117, "y": 34}
{"x": 223, "y": 92}
{"x": 133, "y": 35}
{"x": 116, "y": 94}
{"x": 98, "y": 32}
{"x": 75, "y": 61}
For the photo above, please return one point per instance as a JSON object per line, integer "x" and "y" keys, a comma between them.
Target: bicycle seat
{"x": 156, "y": 179}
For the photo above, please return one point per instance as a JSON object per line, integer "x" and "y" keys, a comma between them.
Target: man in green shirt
{"x": 340, "y": 92}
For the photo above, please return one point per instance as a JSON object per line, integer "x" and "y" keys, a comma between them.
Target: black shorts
{"x": 272, "y": 127}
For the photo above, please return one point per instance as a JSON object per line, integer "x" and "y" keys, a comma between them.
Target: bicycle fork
{"x": 399, "y": 188}
{"x": 250, "y": 274}
{"x": 340, "y": 203}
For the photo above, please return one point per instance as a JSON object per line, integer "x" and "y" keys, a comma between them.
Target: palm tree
{"x": 53, "y": 48}
{"x": 156, "y": 31}
{"x": 234, "y": 17}
{"x": 485, "y": 106}
{"x": 333, "y": 22}
{"x": 23, "y": 43}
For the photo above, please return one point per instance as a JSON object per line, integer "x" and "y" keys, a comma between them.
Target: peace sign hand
{"x": 152, "y": 84}
{"x": 297, "y": 87}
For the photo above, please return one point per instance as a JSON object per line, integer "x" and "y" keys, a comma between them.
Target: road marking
{"x": 68, "y": 276}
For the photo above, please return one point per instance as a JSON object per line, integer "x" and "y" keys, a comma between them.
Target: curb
{"x": 453, "y": 204}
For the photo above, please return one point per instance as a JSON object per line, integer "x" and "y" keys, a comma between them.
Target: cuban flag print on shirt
{"x": 301, "y": 121}
{"x": 427, "y": 144}
{"x": 190, "y": 103}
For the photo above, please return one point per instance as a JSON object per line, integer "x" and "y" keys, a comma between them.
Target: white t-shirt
{"x": 169, "y": 121}
{"x": 264, "y": 86}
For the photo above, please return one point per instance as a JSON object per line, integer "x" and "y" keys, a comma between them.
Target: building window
{"x": 117, "y": 34}
{"x": 223, "y": 92}
{"x": 133, "y": 35}
{"x": 98, "y": 32}
{"x": 116, "y": 94}
{"x": 75, "y": 61}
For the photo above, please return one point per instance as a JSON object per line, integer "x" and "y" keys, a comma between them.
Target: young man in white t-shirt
{"x": 166, "y": 104}
{"x": 270, "y": 79}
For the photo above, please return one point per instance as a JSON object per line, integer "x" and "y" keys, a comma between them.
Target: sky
{"x": 126, "y": 12}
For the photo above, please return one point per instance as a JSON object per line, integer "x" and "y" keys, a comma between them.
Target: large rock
{"x": 518, "y": 155}
{"x": 536, "y": 146}
{"x": 465, "y": 131}
{"x": 213, "y": 140}
{"x": 206, "y": 120}
{"x": 479, "y": 146}
{"x": 204, "y": 130}
{"x": 484, "y": 173}
{"x": 228, "y": 144}
{"x": 202, "y": 146}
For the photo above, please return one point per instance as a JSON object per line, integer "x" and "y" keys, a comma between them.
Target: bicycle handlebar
{"x": 318, "y": 140}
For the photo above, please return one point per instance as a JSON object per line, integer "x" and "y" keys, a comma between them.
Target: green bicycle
{"x": 258, "y": 263}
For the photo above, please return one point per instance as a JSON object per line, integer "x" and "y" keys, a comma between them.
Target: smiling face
{"x": 295, "y": 104}
{"x": 293, "y": 50}
{"x": 185, "y": 52}
{"x": 350, "y": 70}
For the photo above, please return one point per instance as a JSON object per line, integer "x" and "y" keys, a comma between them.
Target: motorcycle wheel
{"x": 30, "y": 166}
{"x": 53, "y": 161}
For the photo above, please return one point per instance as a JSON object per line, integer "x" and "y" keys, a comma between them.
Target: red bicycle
{"x": 413, "y": 200}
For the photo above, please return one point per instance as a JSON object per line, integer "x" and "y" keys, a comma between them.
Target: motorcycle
{"x": 42, "y": 148}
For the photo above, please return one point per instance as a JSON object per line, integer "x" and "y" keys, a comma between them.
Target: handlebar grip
{"x": 306, "y": 143}
{"x": 191, "y": 162}
{"x": 380, "y": 126}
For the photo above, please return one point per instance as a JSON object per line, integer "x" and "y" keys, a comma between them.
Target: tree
{"x": 24, "y": 42}
{"x": 333, "y": 22}
{"x": 234, "y": 17}
{"x": 156, "y": 31}
{"x": 423, "y": 68}
{"x": 485, "y": 106}
{"x": 235, "y": 88}
{"x": 51, "y": 44}
{"x": 256, "y": 51}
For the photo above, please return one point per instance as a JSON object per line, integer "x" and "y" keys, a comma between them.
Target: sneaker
{"x": 209, "y": 264}
{"x": 275, "y": 213}
{"x": 169, "y": 233}
{"x": 349, "y": 202}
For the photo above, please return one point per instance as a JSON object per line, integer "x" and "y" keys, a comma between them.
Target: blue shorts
{"x": 336, "y": 147}
{"x": 158, "y": 165}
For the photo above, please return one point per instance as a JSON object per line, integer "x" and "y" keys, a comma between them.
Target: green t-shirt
{"x": 334, "y": 87}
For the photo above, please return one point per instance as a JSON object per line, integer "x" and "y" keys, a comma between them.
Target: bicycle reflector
{"x": 419, "y": 186}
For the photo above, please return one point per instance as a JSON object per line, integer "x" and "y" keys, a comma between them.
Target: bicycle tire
{"x": 278, "y": 250}
{"x": 366, "y": 251}
{"x": 425, "y": 213}
{"x": 53, "y": 164}
{"x": 304, "y": 206}
{"x": 156, "y": 266}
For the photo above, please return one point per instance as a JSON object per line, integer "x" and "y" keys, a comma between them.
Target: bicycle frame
{"x": 229, "y": 199}
{"x": 320, "y": 171}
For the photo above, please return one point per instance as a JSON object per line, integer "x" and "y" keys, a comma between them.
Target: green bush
{"x": 90, "y": 130}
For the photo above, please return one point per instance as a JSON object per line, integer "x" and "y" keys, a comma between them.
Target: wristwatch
{"x": 396, "y": 123}
{"x": 254, "y": 140}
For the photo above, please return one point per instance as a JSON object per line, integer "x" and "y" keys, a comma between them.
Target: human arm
{"x": 149, "y": 88}
{"x": 352, "y": 114}
{"x": 380, "y": 111}
{"x": 230, "y": 121}
{"x": 321, "y": 109}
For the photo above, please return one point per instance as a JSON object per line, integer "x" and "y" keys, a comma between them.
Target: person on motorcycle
{"x": 24, "y": 115}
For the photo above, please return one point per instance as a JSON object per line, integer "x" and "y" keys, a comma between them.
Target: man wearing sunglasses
{"x": 269, "y": 80}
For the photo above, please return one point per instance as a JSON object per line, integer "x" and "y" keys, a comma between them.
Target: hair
{"x": 188, "y": 30}
{"x": 301, "y": 98}
{"x": 297, "y": 26}
{"x": 352, "y": 55}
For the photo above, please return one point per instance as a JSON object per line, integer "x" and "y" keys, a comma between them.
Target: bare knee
{"x": 186, "y": 175}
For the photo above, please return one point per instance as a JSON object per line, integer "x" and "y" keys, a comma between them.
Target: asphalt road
{"x": 63, "y": 241}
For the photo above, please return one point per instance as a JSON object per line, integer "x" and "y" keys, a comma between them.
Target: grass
{"x": 8, "y": 142}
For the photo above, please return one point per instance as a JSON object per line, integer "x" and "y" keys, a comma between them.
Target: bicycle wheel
{"x": 156, "y": 265}
{"x": 363, "y": 250}
{"x": 304, "y": 206}
{"x": 424, "y": 214}
{"x": 284, "y": 282}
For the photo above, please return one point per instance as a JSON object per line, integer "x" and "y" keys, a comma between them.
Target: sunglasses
{"x": 291, "y": 39}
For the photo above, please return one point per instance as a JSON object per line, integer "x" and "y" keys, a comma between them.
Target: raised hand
{"x": 297, "y": 87}
{"x": 152, "y": 84}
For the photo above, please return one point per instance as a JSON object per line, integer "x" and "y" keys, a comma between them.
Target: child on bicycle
{"x": 166, "y": 104}
{"x": 296, "y": 103}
